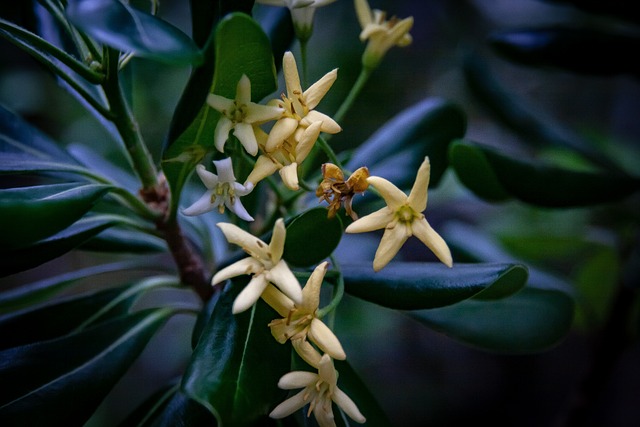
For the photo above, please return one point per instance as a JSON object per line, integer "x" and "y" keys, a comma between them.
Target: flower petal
{"x": 391, "y": 242}
{"x": 277, "y": 300}
{"x": 374, "y": 221}
{"x": 238, "y": 208}
{"x": 200, "y": 206}
{"x": 326, "y": 371}
{"x": 263, "y": 168}
{"x": 221, "y": 134}
{"x": 289, "y": 175}
{"x": 326, "y": 340}
{"x": 291, "y": 77}
{"x": 392, "y": 195}
{"x": 250, "y": 294}
{"x": 364, "y": 12}
{"x": 297, "y": 379}
{"x": 314, "y": 94}
{"x": 244, "y": 266}
{"x": 281, "y": 130}
{"x": 243, "y": 90}
{"x": 282, "y": 277}
{"x": 328, "y": 124}
{"x": 224, "y": 169}
{"x": 276, "y": 245}
{"x": 210, "y": 180}
{"x": 289, "y": 406}
{"x": 427, "y": 235}
{"x": 306, "y": 351}
{"x": 311, "y": 290}
{"x": 244, "y": 133}
{"x": 307, "y": 141}
{"x": 251, "y": 244}
{"x": 348, "y": 406}
{"x": 324, "y": 414}
{"x": 257, "y": 113}
{"x": 418, "y": 197}
{"x": 220, "y": 103}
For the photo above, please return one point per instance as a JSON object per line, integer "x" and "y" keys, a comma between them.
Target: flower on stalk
{"x": 302, "y": 12}
{"x": 382, "y": 34}
{"x": 222, "y": 191}
{"x": 335, "y": 190}
{"x": 299, "y": 113}
{"x": 300, "y": 321}
{"x": 265, "y": 263}
{"x": 319, "y": 391}
{"x": 285, "y": 158}
{"x": 240, "y": 114}
{"x": 401, "y": 218}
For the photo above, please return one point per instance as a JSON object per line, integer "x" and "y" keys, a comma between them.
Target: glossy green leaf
{"x": 531, "y": 320}
{"x": 578, "y": 50}
{"x": 311, "y": 237}
{"x": 28, "y": 214}
{"x": 124, "y": 240}
{"x": 398, "y": 148}
{"x": 14, "y": 261}
{"x": 236, "y": 365}
{"x": 241, "y": 47}
{"x": 493, "y": 175}
{"x": 413, "y": 286}
{"x": 57, "y": 319}
{"x": 68, "y": 386}
{"x": 120, "y": 26}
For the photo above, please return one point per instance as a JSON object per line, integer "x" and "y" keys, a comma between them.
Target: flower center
{"x": 223, "y": 191}
{"x": 238, "y": 113}
{"x": 405, "y": 214}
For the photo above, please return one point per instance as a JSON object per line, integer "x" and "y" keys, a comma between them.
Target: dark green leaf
{"x": 28, "y": 214}
{"x": 20, "y": 163}
{"x": 236, "y": 365}
{"x": 619, "y": 8}
{"x": 398, "y": 148}
{"x": 60, "y": 318}
{"x": 278, "y": 26}
{"x": 241, "y": 47}
{"x": 577, "y": 50}
{"x": 48, "y": 249}
{"x": 312, "y": 226}
{"x": 124, "y": 240}
{"x": 531, "y": 320}
{"x": 118, "y": 25}
{"x": 145, "y": 413}
{"x": 180, "y": 411}
{"x": 493, "y": 175}
{"x": 413, "y": 286}
{"x": 54, "y": 386}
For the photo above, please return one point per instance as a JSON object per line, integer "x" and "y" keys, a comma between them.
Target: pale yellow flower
{"x": 300, "y": 322}
{"x": 299, "y": 107}
{"x": 381, "y": 33}
{"x": 319, "y": 391}
{"x": 239, "y": 115}
{"x": 402, "y": 218}
{"x": 302, "y": 12}
{"x": 265, "y": 263}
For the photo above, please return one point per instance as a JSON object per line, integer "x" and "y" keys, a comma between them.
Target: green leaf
{"x": 69, "y": 385}
{"x": 413, "y": 286}
{"x": 578, "y": 50}
{"x": 241, "y": 47}
{"x": 120, "y": 26}
{"x": 28, "y": 214}
{"x": 311, "y": 237}
{"x": 236, "y": 365}
{"x": 54, "y": 246}
{"x": 492, "y": 175}
{"x": 531, "y": 320}
{"x": 54, "y": 320}
{"x": 124, "y": 240}
{"x": 398, "y": 148}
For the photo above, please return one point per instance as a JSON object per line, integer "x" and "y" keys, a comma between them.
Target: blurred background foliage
{"x": 463, "y": 51}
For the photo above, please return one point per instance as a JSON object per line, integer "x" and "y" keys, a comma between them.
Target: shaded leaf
{"x": 413, "y": 286}
{"x": 578, "y": 50}
{"x": 494, "y": 176}
{"x": 311, "y": 237}
{"x": 618, "y": 8}
{"x": 227, "y": 372}
{"x": 532, "y": 320}
{"x": 54, "y": 246}
{"x": 123, "y": 240}
{"x": 28, "y": 214}
{"x": 118, "y": 25}
{"x": 241, "y": 47}
{"x": 71, "y": 384}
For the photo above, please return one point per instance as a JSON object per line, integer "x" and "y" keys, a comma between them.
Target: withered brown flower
{"x": 335, "y": 190}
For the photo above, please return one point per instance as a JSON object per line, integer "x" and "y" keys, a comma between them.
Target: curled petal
{"x": 210, "y": 180}
{"x": 348, "y": 406}
{"x": 306, "y": 351}
{"x": 392, "y": 240}
{"x": 251, "y": 244}
{"x": 326, "y": 371}
{"x": 427, "y": 235}
{"x": 297, "y": 379}
{"x": 399, "y": 32}
{"x": 200, "y": 206}
{"x": 238, "y": 208}
{"x": 276, "y": 246}
{"x": 244, "y": 266}
{"x": 282, "y": 277}
{"x": 244, "y": 133}
{"x": 418, "y": 196}
{"x": 263, "y": 168}
{"x": 250, "y": 294}
{"x": 289, "y": 406}
{"x": 221, "y": 134}
{"x": 324, "y": 414}
{"x": 392, "y": 195}
{"x": 314, "y": 94}
{"x": 374, "y": 221}
{"x": 289, "y": 175}
{"x": 328, "y": 124}
{"x": 324, "y": 338}
{"x": 277, "y": 300}
{"x": 280, "y": 131}
{"x": 311, "y": 291}
{"x": 225, "y": 173}
{"x": 308, "y": 139}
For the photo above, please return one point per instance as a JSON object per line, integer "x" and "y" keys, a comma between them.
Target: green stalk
{"x": 357, "y": 87}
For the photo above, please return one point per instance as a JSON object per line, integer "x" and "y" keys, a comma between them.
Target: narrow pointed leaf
{"x": 496, "y": 176}
{"x": 414, "y": 286}
{"x": 123, "y": 240}
{"x": 311, "y": 237}
{"x": 241, "y": 47}
{"x": 56, "y": 387}
{"x": 531, "y": 320}
{"x": 398, "y": 148}
{"x": 14, "y": 261}
{"x": 120, "y": 26}
{"x": 28, "y": 214}
{"x": 236, "y": 365}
